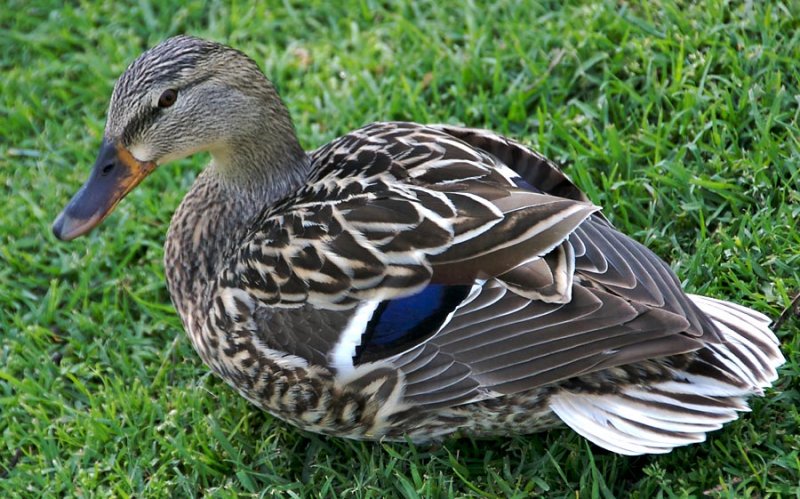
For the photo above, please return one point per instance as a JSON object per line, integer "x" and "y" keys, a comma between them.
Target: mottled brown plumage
{"x": 408, "y": 281}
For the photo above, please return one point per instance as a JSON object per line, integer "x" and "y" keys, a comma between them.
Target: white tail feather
{"x": 748, "y": 331}
{"x": 655, "y": 418}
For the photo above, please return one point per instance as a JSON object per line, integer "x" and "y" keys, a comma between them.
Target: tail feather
{"x": 747, "y": 334}
{"x": 657, "y": 417}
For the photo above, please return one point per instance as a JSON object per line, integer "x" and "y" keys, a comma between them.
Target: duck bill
{"x": 115, "y": 173}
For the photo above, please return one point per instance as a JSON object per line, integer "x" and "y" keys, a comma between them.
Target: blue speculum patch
{"x": 398, "y": 324}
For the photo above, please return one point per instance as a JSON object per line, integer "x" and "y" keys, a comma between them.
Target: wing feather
{"x": 375, "y": 222}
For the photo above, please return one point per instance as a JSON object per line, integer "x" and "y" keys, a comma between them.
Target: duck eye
{"x": 168, "y": 98}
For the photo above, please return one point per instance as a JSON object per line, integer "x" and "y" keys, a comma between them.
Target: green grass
{"x": 682, "y": 121}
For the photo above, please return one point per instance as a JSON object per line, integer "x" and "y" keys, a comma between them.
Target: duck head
{"x": 183, "y": 96}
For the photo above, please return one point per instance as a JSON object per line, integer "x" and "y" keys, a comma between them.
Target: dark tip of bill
{"x": 58, "y": 227}
{"x": 67, "y": 228}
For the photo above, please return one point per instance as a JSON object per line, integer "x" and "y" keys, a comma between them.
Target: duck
{"x": 407, "y": 282}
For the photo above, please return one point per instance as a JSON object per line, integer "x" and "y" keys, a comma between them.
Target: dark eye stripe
{"x": 150, "y": 114}
{"x": 139, "y": 123}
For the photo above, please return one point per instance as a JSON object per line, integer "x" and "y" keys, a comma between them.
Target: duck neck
{"x": 218, "y": 210}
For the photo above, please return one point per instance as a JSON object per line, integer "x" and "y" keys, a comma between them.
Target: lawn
{"x": 680, "y": 120}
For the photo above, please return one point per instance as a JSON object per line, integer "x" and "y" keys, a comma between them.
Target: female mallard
{"x": 409, "y": 280}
